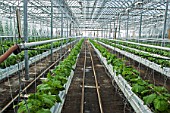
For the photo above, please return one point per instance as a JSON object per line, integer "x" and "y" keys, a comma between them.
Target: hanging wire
{"x": 35, "y": 85}
{"x": 165, "y": 80}
{"x": 153, "y": 71}
{"x": 20, "y": 87}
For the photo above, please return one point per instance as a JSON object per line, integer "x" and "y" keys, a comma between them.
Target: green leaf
{"x": 160, "y": 104}
{"x": 138, "y": 88}
{"x": 43, "y": 111}
{"x": 145, "y": 92}
{"x": 150, "y": 98}
{"x": 58, "y": 98}
{"x": 43, "y": 87}
{"x": 160, "y": 89}
{"x": 48, "y": 100}
{"x": 22, "y": 108}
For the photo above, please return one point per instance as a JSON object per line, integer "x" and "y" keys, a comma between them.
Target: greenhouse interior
{"x": 84, "y": 56}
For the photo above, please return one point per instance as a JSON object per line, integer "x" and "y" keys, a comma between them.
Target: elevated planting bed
{"x": 14, "y": 68}
{"x": 51, "y": 93}
{"x": 163, "y": 70}
{"x": 143, "y": 96}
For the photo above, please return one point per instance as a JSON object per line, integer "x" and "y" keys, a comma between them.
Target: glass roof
{"x": 89, "y": 13}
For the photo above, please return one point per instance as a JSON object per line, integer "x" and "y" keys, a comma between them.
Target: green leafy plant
{"x": 12, "y": 60}
{"x": 156, "y": 97}
{"x": 161, "y": 61}
{"x": 47, "y": 92}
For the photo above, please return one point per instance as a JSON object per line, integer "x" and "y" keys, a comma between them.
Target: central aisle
{"x": 112, "y": 100}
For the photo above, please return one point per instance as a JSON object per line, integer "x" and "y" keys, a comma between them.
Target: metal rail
{"x": 53, "y": 64}
{"x": 82, "y": 97}
{"x": 96, "y": 83}
{"x": 146, "y": 45}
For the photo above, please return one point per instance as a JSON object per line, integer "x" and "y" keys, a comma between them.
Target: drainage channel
{"x": 100, "y": 96}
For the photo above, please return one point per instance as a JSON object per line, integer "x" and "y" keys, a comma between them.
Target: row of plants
{"x": 144, "y": 48}
{"x": 155, "y": 97}
{"x": 47, "y": 92}
{"x": 157, "y": 60}
{"x": 12, "y": 59}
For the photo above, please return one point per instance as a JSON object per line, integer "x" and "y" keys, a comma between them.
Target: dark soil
{"x": 113, "y": 101}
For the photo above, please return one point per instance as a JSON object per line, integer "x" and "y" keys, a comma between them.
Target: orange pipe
{"x": 8, "y": 53}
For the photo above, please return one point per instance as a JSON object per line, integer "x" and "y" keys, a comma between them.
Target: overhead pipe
{"x": 17, "y": 48}
{"x": 27, "y": 45}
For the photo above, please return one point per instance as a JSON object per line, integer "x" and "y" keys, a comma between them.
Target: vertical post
{"x": 26, "y": 40}
{"x": 47, "y": 31}
{"x": 61, "y": 34}
{"x": 41, "y": 30}
{"x": 70, "y": 29}
{"x": 127, "y": 26}
{"x": 73, "y": 30}
{"x": 11, "y": 30}
{"x": 110, "y": 30}
{"x": 107, "y": 29}
{"x": 105, "y": 32}
{"x": 56, "y": 32}
{"x": 114, "y": 30}
{"x": 51, "y": 30}
{"x": 67, "y": 33}
{"x": 164, "y": 29}
{"x": 102, "y": 32}
{"x": 67, "y": 28}
{"x": 97, "y": 33}
{"x": 119, "y": 26}
{"x": 62, "y": 24}
{"x": 140, "y": 27}
{"x": 14, "y": 32}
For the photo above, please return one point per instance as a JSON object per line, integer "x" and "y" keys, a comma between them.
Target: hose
{"x": 12, "y": 49}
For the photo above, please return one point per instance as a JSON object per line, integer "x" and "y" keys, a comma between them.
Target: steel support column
{"x": 164, "y": 29}
{"x": 51, "y": 30}
{"x": 114, "y": 30}
{"x": 62, "y": 24}
{"x": 127, "y": 27}
{"x": 70, "y": 29}
{"x": 110, "y": 30}
{"x": 26, "y": 40}
{"x": 107, "y": 31}
{"x": 102, "y": 33}
{"x": 67, "y": 28}
{"x": 73, "y": 30}
{"x": 119, "y": 26}
{"x": 140, "y": 27}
